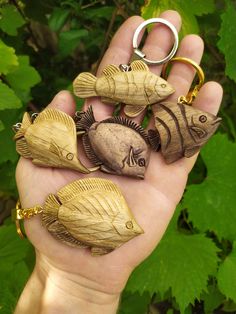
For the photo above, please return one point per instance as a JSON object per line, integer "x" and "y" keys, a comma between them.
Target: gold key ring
{"x": 192, "y": 93}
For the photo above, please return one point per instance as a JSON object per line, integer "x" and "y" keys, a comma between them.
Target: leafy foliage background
{"x": 43, "y": 45}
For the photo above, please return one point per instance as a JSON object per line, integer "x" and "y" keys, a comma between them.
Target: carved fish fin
{"x": 55, "y": 149}
{"x": 56, "y": 115}
{"x": 154, "y": 139}
{"x": 22, "y": 148}
{"x": 110, "y": 70}
{"x": 108, "y": 100}
{"x": 189, "y": 152}
{"x": 131, "y": 161}
{"x": 97, "y": 251}
{"x": 86, "y": 119}
{"x": 73, "y": 189}
{"x": 139, "y": 65}
{"x": 89, "y": 151}
{"x": 26, "y": 122}
{"x": 84, "y": 85}
{"x": 130, "y": 124}
{"x": 133, "y": 111}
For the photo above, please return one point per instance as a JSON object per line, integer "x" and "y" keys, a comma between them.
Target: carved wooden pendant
{"x": 117, "y": 145}
{"x": 181, "y": 130}
{"x": 137, "y": 88}
{"x": 50, "y": 141}
{"x": 90, "y": 213}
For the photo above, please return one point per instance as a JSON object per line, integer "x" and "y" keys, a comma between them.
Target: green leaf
{"x": 134, "y": 303}
{"x": 104, "y": 12}
{"x": 10, "y": 20}
{"x": 8, "y": 59}
{"x": 181, "y": 263}
{"x": 12, "y": 283}
{"x": 13, "y": 249}
{"x": 1, "y": 126}
{"x": 227, "y": 275}
{"x": 212, "y": 299}
{"x": 69, "y": 40}
{"x": 58, "y": 18}
{"x": 227, "y": 43}
{"x": 7, "y": 183}
{"x": 211, "y": 204}
{"x": 8, "y": 98}
{"x": 24, "y": 76}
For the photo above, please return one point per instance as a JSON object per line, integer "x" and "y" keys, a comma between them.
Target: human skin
{"x": 70, "y": 280}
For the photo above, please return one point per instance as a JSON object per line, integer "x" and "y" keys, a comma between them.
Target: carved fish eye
{"x": 69, "y": 156}
{"x": 141, "y": 162}
{"x": 203, "y": 118}
{"x": 163, "y": 85}
{"x": 129, "y": 224}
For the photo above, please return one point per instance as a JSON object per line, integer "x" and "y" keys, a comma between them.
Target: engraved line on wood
{"x": 176, "y": 124}
{"x": 167, "y": 131}
{"x": 183, "y": 111}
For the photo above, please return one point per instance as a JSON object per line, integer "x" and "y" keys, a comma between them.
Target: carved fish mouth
{"x": 141, "y": 176}
{"x": 217, "y": 121}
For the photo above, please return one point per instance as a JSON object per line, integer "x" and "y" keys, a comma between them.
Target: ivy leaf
{"x": 13, "y": 249}
{"x": 227, "y": 275}
{"x": 69, "y": 40}
{"x": 8, "y": 98}
{"x": 10, "y": 20}
{"x": 211, "y": 204}
{"x": 24, "y": 76}
{"x": 212, "y": 299}
{"x": 58, "y": 18}
{"x": 181, "y": 263}
{"x": 8, "y": 59}
{"x": 226, "y": 44}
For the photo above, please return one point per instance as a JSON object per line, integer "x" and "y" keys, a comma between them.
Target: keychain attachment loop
{"x": 138, "y": 54}
{"x": 192, "y": 94}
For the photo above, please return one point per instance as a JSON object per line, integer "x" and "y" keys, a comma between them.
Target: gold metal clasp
{"x": 192, "y": 94}
{"x": 19, "y": 214}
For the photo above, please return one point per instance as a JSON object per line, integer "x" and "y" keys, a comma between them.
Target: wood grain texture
{"x": 50, "y": 141}
{"x": 181, "y": 129}
{"x": 90, "y": 213}
{"x": 137, "y": 88}
{"x": 117, "y": 145}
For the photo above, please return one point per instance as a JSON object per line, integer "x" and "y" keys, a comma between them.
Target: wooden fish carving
{"x": 90, "y": 213}
{"x": 117, "y": 145}
{"x": 181, "y": 130}
{"x": 50, "y": 141}
{"x": 137, "y": 88}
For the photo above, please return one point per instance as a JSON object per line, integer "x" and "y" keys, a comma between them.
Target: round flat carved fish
{"x": 90, "y": 213}
{"x": 117, "y": 145}
{"x": 137, "y": 88}
{"x": 50, "y": 140}
{"x": 181, "y": 130}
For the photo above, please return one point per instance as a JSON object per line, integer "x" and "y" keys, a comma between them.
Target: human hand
{"x": 100, "y": 280}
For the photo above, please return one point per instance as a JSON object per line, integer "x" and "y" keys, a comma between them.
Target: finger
{"x": 181, "y": 75}
{"x": 158, "y": 44}
{"x": 118, "y": 52}
{"x": 209, "y": 100}
{"x": 64, "y": 101}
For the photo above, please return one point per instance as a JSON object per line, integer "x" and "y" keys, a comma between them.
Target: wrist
{"x": 65, "y": 292}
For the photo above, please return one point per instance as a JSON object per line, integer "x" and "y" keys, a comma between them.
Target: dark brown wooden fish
{"x": 117, "y": 144}
{"x": 181, "y": 130}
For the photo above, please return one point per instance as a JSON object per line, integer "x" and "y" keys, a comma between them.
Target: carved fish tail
{"x": 85, "y": 120}
{"x": 22, "y": 148}
{"x": 84, "y": 85}
{"x": 50, "y": 211}
{"x": 154, "y": 140}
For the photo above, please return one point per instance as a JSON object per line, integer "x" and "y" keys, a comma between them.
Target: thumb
{"x": 64, "y": 101}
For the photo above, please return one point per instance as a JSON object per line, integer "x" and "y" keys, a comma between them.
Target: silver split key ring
{"x": 138, "y": 54}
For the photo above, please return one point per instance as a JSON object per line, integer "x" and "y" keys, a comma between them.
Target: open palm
{"x": 152, "y": 200}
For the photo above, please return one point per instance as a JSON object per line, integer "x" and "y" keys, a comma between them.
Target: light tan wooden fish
{"x": 50, "y": 141}
{"x": 137, "y": 88}
{"x": 90, "y": 213}
{"x": 181, "y": 130}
